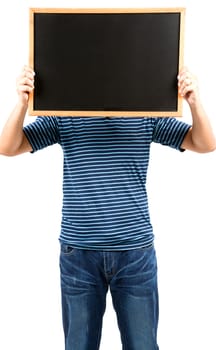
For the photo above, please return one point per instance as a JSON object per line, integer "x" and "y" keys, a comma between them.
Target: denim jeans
{"x": 131, "y": 277}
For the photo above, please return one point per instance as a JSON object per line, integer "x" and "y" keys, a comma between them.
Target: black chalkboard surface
{"x": 106, "y": 62}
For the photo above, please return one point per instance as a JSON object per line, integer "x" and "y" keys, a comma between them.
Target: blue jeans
{"x": 131, "y": 276}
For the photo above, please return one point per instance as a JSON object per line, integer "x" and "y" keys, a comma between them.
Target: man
{"x": 106, "y": 237}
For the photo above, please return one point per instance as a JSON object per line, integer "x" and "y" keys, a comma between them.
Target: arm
{"x": 200, "y": 138}
{"x": 12, "y": 139}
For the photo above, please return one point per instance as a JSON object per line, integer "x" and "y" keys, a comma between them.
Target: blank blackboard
{"x": 106, "y": 62}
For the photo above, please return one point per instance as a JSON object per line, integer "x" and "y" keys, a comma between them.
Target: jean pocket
{"x": 66, "y": 249}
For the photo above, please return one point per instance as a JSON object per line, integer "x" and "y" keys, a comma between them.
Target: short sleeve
{"x": 43, "y": 132}
{"x": 170, "y": 132}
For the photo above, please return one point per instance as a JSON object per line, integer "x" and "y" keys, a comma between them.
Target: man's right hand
{"x": 25, "y": 84}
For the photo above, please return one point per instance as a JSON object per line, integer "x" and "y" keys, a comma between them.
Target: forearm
{"x": 12, "y": 135}
{"x": 12, "y": 138}
{"x": 202, "y": 135}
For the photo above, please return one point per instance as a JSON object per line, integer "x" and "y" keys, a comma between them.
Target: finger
{"x": 184, "y": 89}
{"x": 25, "y": 84}
{"x": 185, "y": 80}
{"x": 24, "y": 81}
{"x": 185, "y": 76}
{"x": 28, "y": 72}
{"x": 24, "y": 88}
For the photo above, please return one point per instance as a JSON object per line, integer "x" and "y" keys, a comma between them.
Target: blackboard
{"x": 106, "y": 62}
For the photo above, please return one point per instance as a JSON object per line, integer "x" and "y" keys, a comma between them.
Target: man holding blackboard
{"x": 106, "y": 237}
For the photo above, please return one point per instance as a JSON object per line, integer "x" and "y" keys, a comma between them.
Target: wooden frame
{"x": 82, "y": 72}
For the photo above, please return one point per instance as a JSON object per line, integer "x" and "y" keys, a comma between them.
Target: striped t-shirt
{"x": 105, "y": 205}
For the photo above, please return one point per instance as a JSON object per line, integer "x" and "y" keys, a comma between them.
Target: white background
{"x": 182, "y": 194}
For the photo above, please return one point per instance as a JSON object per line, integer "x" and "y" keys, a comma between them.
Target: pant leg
{"x": 135, "y": 299}
{"x": 83, "y": 298}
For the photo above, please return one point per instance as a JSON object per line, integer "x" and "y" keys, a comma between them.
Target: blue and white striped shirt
{"x": 105, "y": 205}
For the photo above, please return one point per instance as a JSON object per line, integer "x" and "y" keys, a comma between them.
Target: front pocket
{"x": 66, "y": 249}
